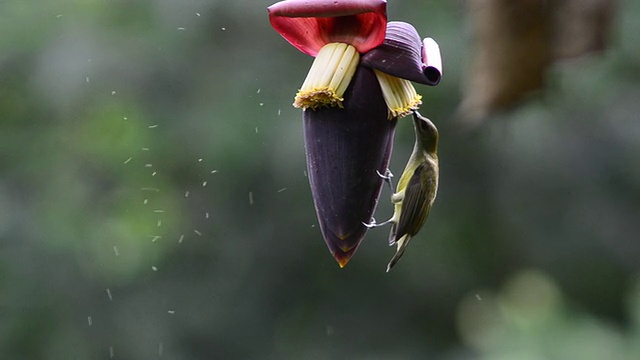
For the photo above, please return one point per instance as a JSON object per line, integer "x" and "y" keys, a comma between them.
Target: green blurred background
{"x": 154, "y": 204}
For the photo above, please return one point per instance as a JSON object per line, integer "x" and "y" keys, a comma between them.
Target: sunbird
{"x": 416, "y": 190}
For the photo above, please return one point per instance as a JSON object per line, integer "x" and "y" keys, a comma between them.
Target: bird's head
{"x": 426, "y": 133}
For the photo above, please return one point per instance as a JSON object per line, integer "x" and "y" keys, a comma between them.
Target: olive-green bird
{"x": 416, "y": 189}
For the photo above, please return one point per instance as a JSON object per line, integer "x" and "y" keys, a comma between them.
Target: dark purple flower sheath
{"x": 357, "y": 88}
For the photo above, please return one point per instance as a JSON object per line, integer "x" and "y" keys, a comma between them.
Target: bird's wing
{"x": 418, "y": 198}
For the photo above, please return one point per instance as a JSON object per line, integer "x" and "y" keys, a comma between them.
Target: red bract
{"x": 309, "y": 25}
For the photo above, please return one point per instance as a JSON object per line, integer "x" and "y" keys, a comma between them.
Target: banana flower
{"x": 357, "y": 88}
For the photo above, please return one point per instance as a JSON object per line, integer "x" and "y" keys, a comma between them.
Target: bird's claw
{"x": 387, "y": 174}
{"x": 370, "y": 225}
{"x": 387, "y": 178}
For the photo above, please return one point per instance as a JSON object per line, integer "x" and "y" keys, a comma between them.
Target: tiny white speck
{"x": 197, "y": 232}
{"x": 256, "y": 129}
{"x": 159, "y": 223}
{"x": 155, "y": 238}
{"x": 251, "y": 197}
{"x": 313, "y": 225}
{"x": 204, "y": 183}
{"x": 158, "y": 211}
{"x": 181, "y": 28}
{"x": 181, "y": 239}
{"x": 478, "y": 297}
{"x": 125, "y": 118}
{"x": 206, "y": 215}
{"x": 145, "y": 149}
{"x": 154, "y": 173}
{"x": 145, "y": 201}
{"x": 127, "y": 161}
{"x": 261, "y": 104}
{"x": 186, "y": 194}
{"x": 281, "y": 190}
{"x": 171, "y": 312}
{"x": 59, "y": 15}
{"x": 115, "y": 250}
{"x": 154, "y": 268}
{"x": 200, "y": 160}
{"x": 113, "y": 92}
{"x": 223, "y": 29}
{"x": 109, "y": 294}
{"x": 279, "y": 112}
{"x": 153, "y": 126}
{"x": 111, "y": 353}
{"x": 86, "y": 78}
{"x": 89, "y": 320}
{"x": 258, "y": 92}
{"x": 214, "y": 171}
{"x": 197, "y": 14}
{"x": 148, "y": 165}
{"x": 329, "y": 330}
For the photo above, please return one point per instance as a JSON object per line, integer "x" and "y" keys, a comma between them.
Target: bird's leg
{"x": 387, "y": 178}
{"x": 397, "y": 197}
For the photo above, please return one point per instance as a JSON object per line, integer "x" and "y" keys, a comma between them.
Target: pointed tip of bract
{"x": 343, "y": 248}
{"x": 342, "y": 259}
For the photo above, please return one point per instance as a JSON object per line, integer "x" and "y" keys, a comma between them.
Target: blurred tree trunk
{"x": 582, "y": 27}
{"x": 516, "y": 41}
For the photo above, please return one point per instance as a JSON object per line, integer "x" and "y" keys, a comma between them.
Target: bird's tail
{"x": 402, "y": 244}
{"x": 393, "y": 233}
